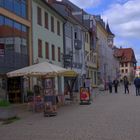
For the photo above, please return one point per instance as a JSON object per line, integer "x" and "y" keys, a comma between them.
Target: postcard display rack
{"x": 49, "y": 98}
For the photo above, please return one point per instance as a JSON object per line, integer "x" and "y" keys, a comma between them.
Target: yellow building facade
{"x": 91, "y": 60}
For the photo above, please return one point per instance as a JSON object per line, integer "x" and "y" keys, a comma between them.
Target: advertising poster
{"x": 49, "y": 83}
{"x": 84, "y": 94}
{"x": 49, "y": 86}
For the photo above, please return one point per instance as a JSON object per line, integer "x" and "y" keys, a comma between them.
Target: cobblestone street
{"x": 109, "y": 117}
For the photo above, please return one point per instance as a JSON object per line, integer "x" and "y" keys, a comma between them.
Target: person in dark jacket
{"x": 137, "y": 85}
{"x": 126, "y": 85}
{"x": 110, "y": 86}
{"x": 116, "y": 83}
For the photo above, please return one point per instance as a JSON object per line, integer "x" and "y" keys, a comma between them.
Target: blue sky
{"x": 123, "y": 17}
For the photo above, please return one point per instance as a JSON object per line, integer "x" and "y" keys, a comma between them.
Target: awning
{"x": 70, "y": 74}
{"x": 40, "y": 69}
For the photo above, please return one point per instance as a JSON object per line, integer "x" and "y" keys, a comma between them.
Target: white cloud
{"x": 86, "y": 3}
{"x": 122, "y": 43}
{"x": 124, "y": 18}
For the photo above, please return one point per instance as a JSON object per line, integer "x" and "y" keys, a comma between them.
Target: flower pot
{"x": 7, "y": 113}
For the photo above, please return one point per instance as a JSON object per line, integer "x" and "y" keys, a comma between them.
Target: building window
{"x": 126, "y": 70}
{"x": 52, "y": 24}
{"x": 47, "y": 50}
{"x": 39, "y": 48}
{"x": 53, "y": 52}
{"x": 39, "y": 16}
{"x": 59, "y": 54}
{"x": 13, "y": 42}
{"x": 126, "y": 64}
{"x": 122, "y": 65}
{"x": 75, "y": 35}
{"x": 58, "y": 27}
{"x": 19, "y": 7}
{"x": 10, "y": 4}
{"x": 122, "y": 71}
{"x": 1, "y": 3}
{"x": 46, "y": 20}
{"x": 24, "y": 8}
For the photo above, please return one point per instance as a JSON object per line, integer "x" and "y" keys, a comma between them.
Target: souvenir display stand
{"x": 50, "y": 108}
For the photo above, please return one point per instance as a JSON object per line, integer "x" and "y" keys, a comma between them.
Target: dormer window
{"x": 75, "y": 35}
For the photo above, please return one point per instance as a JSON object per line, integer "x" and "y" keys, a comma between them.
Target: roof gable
{"x": 126, "y": 54}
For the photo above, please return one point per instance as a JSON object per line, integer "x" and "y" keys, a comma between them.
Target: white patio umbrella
{"x": 40, "y": 69}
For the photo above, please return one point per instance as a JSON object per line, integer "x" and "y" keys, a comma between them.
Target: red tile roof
{"x": 126, "y": 55}
{"x": 138, "y": 67}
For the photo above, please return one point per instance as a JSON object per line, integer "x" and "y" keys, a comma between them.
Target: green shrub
{"x": 4, "y": 103}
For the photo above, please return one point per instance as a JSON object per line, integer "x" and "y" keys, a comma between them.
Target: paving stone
{"x": 109, "y": 117}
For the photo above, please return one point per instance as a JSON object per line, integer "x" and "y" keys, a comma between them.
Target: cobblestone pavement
{"x": 109, "y": 117}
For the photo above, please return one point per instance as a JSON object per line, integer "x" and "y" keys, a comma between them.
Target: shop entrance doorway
{"x": 14, "y": 90}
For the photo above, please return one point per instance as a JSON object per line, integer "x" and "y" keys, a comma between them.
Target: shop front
{"x": 3, "y": 87}
{"x": 14, "y": 89}
{"x": 42, "y": 71}
{"x": 70, "y": 84}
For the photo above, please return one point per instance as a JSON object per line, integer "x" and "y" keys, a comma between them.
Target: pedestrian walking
{"x": 116, "y": 83}
{"x": 137, "y": 86}
{"x": 110, "y": 86}
{"x": 126, "y": 85}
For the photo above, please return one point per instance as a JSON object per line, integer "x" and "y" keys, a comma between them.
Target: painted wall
{"x": 137, "y": 72}
{"x": 40, "y": 32}
{"x": 130, "y": 71}
{"x": 78, "y": 56}
{"x": 108, "y": 65}
{"x": 102, "y": 53}
{"x": 90, "y": 61}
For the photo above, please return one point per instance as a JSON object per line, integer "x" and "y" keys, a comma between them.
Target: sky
{"x": 123, "y": 17}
